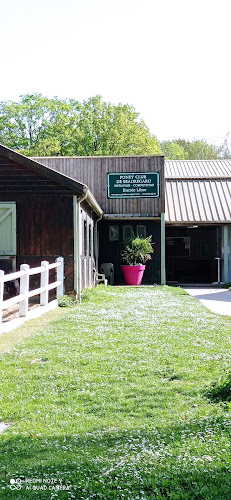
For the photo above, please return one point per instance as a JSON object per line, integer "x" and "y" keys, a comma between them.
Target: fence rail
{"x": 24, "y": 284}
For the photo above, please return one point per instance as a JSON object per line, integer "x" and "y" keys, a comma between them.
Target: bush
{"x": 66, "y": 301}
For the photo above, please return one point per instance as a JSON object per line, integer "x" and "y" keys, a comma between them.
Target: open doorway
{"x": 191, "y": 252}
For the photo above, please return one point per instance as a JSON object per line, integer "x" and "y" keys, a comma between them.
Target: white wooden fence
{"x": 24, "y": 278}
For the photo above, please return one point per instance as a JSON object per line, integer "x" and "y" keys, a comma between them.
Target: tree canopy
{"x": 181, "y": 149}
{"x": 38, "y": 126}
{"x": 41, "y": 126}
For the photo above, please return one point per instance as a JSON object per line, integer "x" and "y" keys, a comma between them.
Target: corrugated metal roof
{"x": 197, "y": 169}
{"x": 197, "y": 200}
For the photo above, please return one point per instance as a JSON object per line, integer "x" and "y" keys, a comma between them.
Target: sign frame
{"x": 133, "y": 185}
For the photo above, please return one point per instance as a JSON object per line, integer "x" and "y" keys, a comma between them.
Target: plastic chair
{"x": 107, "y": 268}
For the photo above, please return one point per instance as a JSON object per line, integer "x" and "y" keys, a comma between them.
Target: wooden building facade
{"x": 138, "y": 215}
{"x": 57, "y": 206}
{"x": 43, "y": 215}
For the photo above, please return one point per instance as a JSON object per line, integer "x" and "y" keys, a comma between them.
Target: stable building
{"x": 198, "y": 221}
{"x": 190, "y": 220}
{"x": 82, "y": 208}
{"x": 43, "y": 215}
{"x": 131, "y": 192}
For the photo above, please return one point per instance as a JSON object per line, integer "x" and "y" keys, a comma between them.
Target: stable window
{"x": 141, "y": 231}
{"x": 90, "y": 240}
{"x": 127, "y": 232}
{"x": 178, "y": 246}
{"x": 85, "y": 238}
{"x": 113, "y": 233}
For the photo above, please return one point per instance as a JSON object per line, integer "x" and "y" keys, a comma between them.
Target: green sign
{"x": 133, "y": 185}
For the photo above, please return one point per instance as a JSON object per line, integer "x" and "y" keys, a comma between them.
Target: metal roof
{"x": 198, "y": 200}
{"x": 197, "y": 169}
{"x": 198, "y": 191}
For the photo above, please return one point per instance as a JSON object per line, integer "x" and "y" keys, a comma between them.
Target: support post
{"x": 162, "y": 250}
{"x": 44, "y": 283}
{"x": 1, "y": 293}
{"x": 24, "y": 289}
{"x": 79, "y": 246}
{"x": 75, "y": 222}
{"x": 60, "y": 277}
{"x": 226, "y": 256}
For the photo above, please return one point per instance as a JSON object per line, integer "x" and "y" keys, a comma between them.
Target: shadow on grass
{"x": 124, "y": 465}
{"x": 220, "y": 389}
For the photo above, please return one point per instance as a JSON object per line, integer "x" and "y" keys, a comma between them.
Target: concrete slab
{"x": 218, "y": 300}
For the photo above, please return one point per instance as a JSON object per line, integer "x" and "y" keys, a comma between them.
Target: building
{"x": 45, "y": 214}
{"x": 83, "y": 207}
{"x": 124, "y": 214}
{"x": 198, "y": 221}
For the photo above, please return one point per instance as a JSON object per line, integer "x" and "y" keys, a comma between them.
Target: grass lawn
{"x": 113, "y": 400}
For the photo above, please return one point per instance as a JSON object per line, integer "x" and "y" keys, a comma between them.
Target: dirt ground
{"x": 13, "y": 312}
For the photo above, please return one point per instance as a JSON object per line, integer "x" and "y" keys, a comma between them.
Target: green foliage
{"x": 66, "y": 301}
{"x": 137, "y": 251}
{"x": 173, "y": 151}
{"x": 198, "y": 149}
{"x": 38, "y": 126}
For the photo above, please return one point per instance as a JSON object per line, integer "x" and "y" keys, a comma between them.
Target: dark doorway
{"x": 111, "y": 236}
{"x": 190, "y": 254}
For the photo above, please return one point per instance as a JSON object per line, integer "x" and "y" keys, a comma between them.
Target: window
{"x": 113, "y": 233}
{"x": 127, "y": 232}
{"x": 90, "y": 240}
{"x": 141, "y": 231}
{"x": 85, "y": 238}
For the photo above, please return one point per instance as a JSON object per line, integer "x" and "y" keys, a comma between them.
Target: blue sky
{"x": 170, "y": 59}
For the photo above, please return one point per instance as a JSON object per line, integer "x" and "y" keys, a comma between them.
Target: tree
{"x": 198, "y": 149}
{"x": 41, "y": 126}
{"x": 173, "y": 151}
{"x": 224, "y": 151}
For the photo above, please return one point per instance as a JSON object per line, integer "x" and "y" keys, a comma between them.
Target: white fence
{"x": 24, "y": 288}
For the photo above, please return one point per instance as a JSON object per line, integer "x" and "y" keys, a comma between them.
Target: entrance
{"x": 111, "y": 236}
{"x": 8, "y": 236}
{"x": 190, "y": 254}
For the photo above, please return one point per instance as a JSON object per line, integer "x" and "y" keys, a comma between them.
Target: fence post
{"x": 60, "y": 277}
{"x": 24, "y": 288}
{"x": 1, "y": 293}
{"x": 44, "y": 283}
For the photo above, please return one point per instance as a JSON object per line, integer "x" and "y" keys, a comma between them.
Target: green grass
{"x": 113, "y": 401}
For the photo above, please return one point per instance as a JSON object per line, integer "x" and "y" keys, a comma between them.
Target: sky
{"x": 170, "y": 59}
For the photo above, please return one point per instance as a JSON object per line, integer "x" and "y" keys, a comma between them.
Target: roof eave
{"x": 76, "y": 187}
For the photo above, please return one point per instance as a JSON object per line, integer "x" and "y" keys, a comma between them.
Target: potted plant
{"x": 135, "y": 254}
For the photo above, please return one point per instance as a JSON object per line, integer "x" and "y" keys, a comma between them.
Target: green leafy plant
{"x": 137, "y": 251}
{"x": 66, "y": 301}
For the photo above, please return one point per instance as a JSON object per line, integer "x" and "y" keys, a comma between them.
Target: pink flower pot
{"x": 133, "y": 275}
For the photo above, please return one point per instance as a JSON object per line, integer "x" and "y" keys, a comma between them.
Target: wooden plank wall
{"x": 92, "y": 171}
{"x": 44, "y": 215}
{"x": 44, "y": 231}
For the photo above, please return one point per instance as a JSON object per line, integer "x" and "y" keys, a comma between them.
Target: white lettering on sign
{"x": 126, "y": 176}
